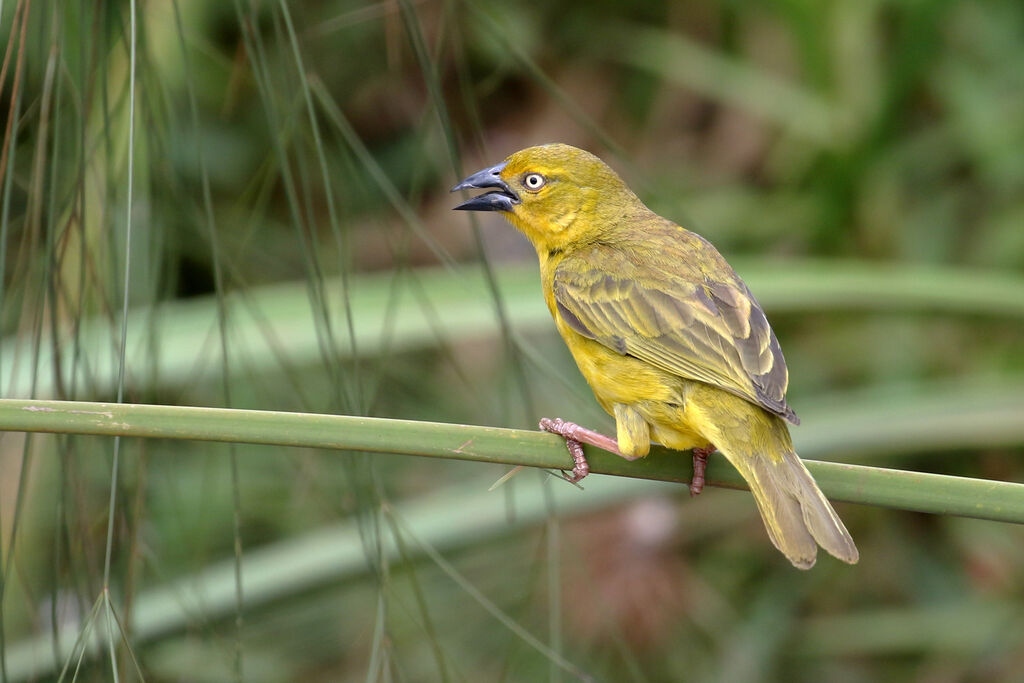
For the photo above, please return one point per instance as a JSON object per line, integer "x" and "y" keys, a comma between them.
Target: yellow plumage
{"x": 669, "y": 338}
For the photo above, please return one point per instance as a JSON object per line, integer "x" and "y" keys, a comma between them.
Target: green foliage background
{"x": 292, "y": 248}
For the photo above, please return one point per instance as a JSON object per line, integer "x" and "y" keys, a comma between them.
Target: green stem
{"x": 922, "y": 492}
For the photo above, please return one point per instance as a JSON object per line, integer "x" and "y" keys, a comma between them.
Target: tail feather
{"x": 796, "y": 514}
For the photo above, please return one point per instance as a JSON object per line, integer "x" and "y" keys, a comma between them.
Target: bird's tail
{"x": 796, "y": 513}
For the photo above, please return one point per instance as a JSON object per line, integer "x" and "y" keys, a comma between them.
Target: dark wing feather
{"x": 711, "y": 331}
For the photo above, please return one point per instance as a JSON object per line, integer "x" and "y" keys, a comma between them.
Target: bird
{"x": 670, "y": 339}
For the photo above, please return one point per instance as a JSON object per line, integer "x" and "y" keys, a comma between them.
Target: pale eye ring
{"x": 534, "y": 181}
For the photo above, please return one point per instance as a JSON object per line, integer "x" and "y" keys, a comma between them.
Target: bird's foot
{"x": 580, "y": 466}
{"x": 700, "y": 463}
{"x": 575, "y": 436}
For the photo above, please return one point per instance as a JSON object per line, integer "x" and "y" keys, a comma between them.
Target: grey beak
{"x": 501, "y": 199}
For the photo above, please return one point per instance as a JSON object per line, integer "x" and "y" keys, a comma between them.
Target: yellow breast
{"x": 657, "y": 395}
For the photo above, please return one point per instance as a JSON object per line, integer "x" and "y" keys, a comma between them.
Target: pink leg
{"x": 575, "y": 436}
{"x": 700, "y": 463}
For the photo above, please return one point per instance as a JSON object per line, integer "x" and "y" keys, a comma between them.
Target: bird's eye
{"x": 534, "y": 181}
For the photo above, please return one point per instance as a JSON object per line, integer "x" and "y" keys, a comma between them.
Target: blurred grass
{"x": 292, "y": 161}
{"x": 431, "y": 306}
{"x": 286, "y": 569}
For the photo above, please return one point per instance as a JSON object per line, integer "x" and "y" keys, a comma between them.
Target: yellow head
{"x": 554, "y": 194}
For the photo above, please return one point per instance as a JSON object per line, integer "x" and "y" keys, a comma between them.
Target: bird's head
{"x": 554, "y": 194}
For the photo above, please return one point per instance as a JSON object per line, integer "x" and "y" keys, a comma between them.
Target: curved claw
{"x": 568, "y": 430}
{"x": 581, "y": 467}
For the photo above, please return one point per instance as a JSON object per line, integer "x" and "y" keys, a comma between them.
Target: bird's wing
{"x": 711, "y": 331}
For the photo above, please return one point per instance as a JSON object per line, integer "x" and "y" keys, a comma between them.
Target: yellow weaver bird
{"x": 668, "y": 336}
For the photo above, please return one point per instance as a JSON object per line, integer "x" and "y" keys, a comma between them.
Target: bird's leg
{"x": 575, "y": 436}
{"x": 700, "y": 463}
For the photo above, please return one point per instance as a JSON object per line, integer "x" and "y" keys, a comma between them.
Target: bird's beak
{"x": 502, "y": 199}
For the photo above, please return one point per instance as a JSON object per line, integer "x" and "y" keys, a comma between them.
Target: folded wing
{"x": 712, "y": 331}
